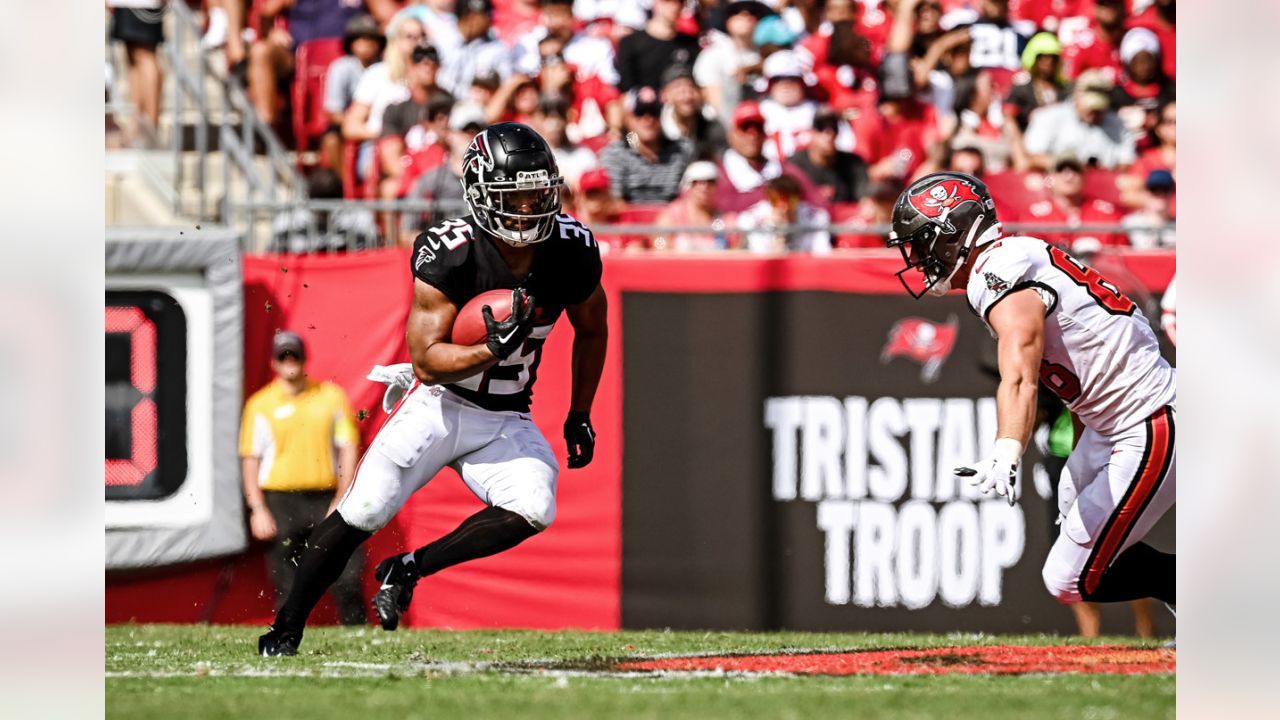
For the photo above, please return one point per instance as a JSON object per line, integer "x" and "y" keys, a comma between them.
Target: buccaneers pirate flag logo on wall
{"x": 938, "y": 201}
{"x": 924, "y": 341}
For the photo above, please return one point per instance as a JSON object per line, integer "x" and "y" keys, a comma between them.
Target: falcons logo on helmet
{"x": 478, "y": 157}
{"x": 938, "y": 201}
{"x": 924, "y": 341}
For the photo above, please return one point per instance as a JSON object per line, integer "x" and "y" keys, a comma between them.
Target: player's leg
{"x": 413, "y": 445}
{"x": 1129, "y": 482}
{"x": 515, "y": 475}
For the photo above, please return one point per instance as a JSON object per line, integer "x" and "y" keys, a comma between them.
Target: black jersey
{"x": 459, "y": 259}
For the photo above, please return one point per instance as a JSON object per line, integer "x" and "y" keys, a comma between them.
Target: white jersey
{"x": 1100, "y": 354}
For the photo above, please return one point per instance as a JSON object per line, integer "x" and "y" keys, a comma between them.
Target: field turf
{"x": 171, "y": 671}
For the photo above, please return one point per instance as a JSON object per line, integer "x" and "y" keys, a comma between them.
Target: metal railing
{"x": 236, "y": 126}
{"x": 315, "y": 225}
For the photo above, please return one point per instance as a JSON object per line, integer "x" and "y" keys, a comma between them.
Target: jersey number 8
{"x": 1101, "y": 289}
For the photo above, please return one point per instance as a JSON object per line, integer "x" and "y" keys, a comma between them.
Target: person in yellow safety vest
{"x": 298, "y": 450}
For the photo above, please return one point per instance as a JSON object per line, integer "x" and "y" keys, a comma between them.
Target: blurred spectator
{"x": 1068, "y": 205}
{"x": 137, "y": 24}
{"x": 643, "y": 56}
{"x": 516, "y": 19}
{"x": 438, "y": 21}
{"x": 271, "y": 58}
{"x": 803, "y": 17}
{"x": 480, "y": 52}
{"x": 444, "y": 181}
{"x": 1161, "y": 17}
{"x": 696, "y": 205}
{"x": 516, "y": 100}
{"x": 349, "y": 228}
{"x": 1084, "y": 126}
{"x": 994, "y": 42}
{"x": 729, "y": 58}
{"x": 382, "y": 85}
{"x": 589, "y": 55}
{"x": 910, "y": 144}
{"x": 968, "y": 160}
{"x": 875, "y": 208}
{"x": 426, "y": 101}
{"x": 980, "y": 119}
{"x": 362, "y": 43}
{"x": 744, "y": 168}
{"x": 839, "y": 176}
{"x": 595, "y": 204}
{"x": 425, "y": 143}
{"x": 645, "y": 166}
{"x": 1163, "y": 156}
{"x": 298, "y": 449}
{"x": 684, "y": 115}
{"x": 841, "y": 60}
{"x": 552, "y": 122}
{"x": 1093, "y": 42}
{"x": 784, "y": 205}
{"x": 788, "y": 110}
{"x": 1041, "y": 84}
{"x": 1157, "y": 209}
{"x": 1143, "y": 85}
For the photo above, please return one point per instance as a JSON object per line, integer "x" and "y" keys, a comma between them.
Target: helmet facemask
{"x": 522, "y": 212}
{"x": 935, "y": 260}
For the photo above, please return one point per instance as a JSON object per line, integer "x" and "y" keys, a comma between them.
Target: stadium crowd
{"x": 735, "y": 115}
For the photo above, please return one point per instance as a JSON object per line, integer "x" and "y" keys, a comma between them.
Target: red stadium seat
{"x": 312, "y": 65}
{"x": 1101, "y": 184}
{"x": 1014, "y": 192}
{"x": 641, "y": 214}
{"x": 351, "y": 188}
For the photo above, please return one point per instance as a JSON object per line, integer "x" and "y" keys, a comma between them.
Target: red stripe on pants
{"x": 355, "y": 474}
{"x": 1159, "y": 448}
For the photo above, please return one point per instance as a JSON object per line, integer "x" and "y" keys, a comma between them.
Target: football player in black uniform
{"x": 467, "y": 407}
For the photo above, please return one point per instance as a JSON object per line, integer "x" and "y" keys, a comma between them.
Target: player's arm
{"x": 1018, "y": 321}
{"x": 435, "y": 359}
{"x": 590, "y": 321}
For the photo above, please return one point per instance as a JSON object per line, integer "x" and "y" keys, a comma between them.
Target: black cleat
{"x": 279, "y": 642}
{"x": 392, "y": 599}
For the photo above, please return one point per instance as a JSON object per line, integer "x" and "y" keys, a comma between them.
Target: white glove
{"x": 1000, "y": 471}
{"x": 398, "y": 379}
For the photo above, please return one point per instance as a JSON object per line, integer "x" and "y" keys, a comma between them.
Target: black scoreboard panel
{"x": 146, "y": 395}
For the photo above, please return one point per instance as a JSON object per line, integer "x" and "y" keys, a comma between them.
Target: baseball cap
{"x": 1138, "y": 40}
{"x": 1160, "y": 180}
{"x": 287, "y": 341}
{"x": 425, "y": 52}
{"x": 676, "y": 71}
{"x": 783, "y": 63}
{"x": 465, "y": 116}
{"x": 746, "y": 112}
{"x": 825, "y": 116}
{"x": 1094, "y": 87}
{"x": 474, "y": 6}
{"x": 644, "y": 101}
{"x": 755, "y": 7}
{"x": 597, "y": 179}
{"x": 361, "y": 26}
{"x": 1067, "y": 159}
{"x": 699, "y": 170}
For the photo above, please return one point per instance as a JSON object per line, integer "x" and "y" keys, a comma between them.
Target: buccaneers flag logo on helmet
{"x": 938, "y": 201}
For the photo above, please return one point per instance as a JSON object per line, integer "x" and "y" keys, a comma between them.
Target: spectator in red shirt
{"x": 514, "y": 19}
{"x": 696, "y": 205}
{"x": 595, "y": 204}
{"x": 1161, "y": 17}
{"x": 1163, "y": 156}
{"x": 1093, "y": 42}
{"x": 841, "y": 60}
{"x": 875, "y": 208}
{"x": 1068, "y": 205}
{"x": 911, "y": 142}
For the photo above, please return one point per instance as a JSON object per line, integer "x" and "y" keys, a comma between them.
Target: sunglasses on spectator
{"x": 751, "y": 126}
{"x": 650, "y": 112}
{"x": 826, "y": 127}
{"x": 702, "y": 182}
{"x": 287, "y": 354}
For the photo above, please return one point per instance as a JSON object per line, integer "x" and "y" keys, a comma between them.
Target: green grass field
{"x": 169, "y": 671}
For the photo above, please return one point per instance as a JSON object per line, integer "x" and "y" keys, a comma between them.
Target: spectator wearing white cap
{"x": 1142, "y": 82}
{"x": 789, "y": 111}
{"x": 696, "y": 205}
{"x": 724, "y": 65}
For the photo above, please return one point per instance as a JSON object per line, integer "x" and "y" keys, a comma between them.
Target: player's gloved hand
{"x": 999, "y": 471}
{"x": 581, "y": 439}
{"x": 508, "y": 335}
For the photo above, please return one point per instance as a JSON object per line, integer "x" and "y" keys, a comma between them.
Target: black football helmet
{"x": 937, "y": 222}
{"x": 512, "y": 184}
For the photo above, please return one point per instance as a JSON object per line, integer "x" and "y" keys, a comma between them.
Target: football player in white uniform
{"x": 1061, "y": 323}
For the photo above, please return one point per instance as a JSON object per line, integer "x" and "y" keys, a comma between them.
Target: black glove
{"x": 581, "y": 439}
{"x": 507, "y": 336}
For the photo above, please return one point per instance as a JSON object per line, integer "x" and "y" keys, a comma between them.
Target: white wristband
{"x": 1007, "y": 450}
